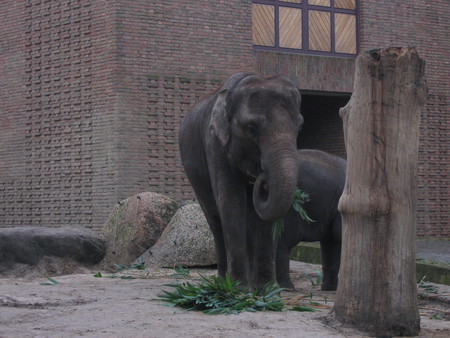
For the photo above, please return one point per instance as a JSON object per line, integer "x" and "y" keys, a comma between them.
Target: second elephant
{"x": 322, "y": 176}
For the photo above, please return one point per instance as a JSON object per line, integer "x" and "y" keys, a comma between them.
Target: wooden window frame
{"x": 306, "y": 7}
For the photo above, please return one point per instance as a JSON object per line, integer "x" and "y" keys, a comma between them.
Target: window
{"x": 324, "y": 27}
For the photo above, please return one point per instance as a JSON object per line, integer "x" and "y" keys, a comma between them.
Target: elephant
{"x": 322, "y": 177}
{"x": 238, "y": 147}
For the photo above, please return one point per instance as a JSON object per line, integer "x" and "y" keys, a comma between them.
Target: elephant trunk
{"x": 274, "y": 188}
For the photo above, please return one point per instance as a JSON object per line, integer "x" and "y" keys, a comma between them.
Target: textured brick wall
{"x": 14, "y": 207}
{"x": 315, "y": 73}
{"x": 57, "y": 157}
{"x": 171, "y": 53}
{"x": 46, "y": 130}
{"x": 92, "y": 93}
{"x": 426, "y": 26}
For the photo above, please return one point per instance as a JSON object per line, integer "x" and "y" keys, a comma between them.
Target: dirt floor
{"x": 82, "y": 305}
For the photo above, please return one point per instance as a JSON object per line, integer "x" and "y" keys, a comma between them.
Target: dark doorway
{"x": 323, "y": 128}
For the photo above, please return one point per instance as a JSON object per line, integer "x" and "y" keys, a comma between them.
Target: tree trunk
{"x": 377, "y": 283}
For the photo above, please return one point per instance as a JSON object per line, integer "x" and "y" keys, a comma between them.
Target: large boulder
{"x": 23, "y": 249}
{"x": 134, "y": 225}
{"x": 187, "y": 241}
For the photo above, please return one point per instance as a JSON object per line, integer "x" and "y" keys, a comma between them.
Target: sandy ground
{"x": 85, "y": 306}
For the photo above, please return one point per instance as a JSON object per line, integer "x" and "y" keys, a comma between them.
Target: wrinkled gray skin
{"x": 238, "y": 147}
{"x": 322, "y": 176}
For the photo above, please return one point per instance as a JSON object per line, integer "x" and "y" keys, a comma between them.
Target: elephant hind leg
{"x": 209, "y": 208}
{"x": 330, "y": 248}
{"x": 221, "y": 257}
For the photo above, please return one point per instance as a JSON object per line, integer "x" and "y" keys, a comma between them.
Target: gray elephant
{"x": 238, "y": 148}
{"x": 322, "y": 177}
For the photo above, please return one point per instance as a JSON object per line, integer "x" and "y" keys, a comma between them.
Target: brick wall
{"x": 14, "y": 207}
{"x": 426, "y": 26}
{"x": 57, "y": 157}
{"x": 92, "y": 93}
{"x": 171, "y": 54}
{"x": 313, "y": 73}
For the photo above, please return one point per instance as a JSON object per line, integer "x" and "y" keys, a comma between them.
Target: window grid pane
{"x": 263, "y": 21}
{"x": 290, "y": 27}
{"x": 345, "y": 31}
{"x": 325, "y": 3}
{"x": 347, "y": 4}
{"x": 319, "y": 31}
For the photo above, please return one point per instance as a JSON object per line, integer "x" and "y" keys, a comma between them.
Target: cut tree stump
{"x": 377, "y": 288}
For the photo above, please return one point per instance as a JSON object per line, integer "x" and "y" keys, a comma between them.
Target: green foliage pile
{"x": 217, "y": 295}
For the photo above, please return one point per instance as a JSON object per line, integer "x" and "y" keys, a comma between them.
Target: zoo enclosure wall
{"x": 92, "y": 93}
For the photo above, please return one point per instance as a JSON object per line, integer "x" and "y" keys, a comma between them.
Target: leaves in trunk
{"x": 300, "y": 198}
{"x": 277, "y": 228}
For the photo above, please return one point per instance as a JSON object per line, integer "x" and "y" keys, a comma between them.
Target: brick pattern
{"x": 169, "y": 99}
{"x": 13, "y": 203}
{"x": 59, "y": 127}
{"x": 170, "y": 53}
{"x": 92, "y": 93}
{"x": 314, "y": 73}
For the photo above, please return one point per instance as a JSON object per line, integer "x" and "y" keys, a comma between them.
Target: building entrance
{"x": 323, "y": 127}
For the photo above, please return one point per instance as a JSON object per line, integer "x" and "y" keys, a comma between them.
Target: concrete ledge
{"x": 307, "y": 253}
{"x": 433, "y": 271}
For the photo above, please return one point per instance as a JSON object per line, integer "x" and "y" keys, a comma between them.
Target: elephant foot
{"x": 329, "y": 285}
{"x": 330, "y": 280}
{"x": 286, "y": 285}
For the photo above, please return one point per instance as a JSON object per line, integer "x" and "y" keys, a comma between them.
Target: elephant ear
{"x": 220, "y": 123}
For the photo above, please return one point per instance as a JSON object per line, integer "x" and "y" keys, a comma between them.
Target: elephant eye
{"x": 251, "y": 130}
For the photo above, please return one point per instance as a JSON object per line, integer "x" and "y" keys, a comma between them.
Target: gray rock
{"x": 30, "y": 245}
{"x": 135, "y": 224}
{"x": 186, "y": 241}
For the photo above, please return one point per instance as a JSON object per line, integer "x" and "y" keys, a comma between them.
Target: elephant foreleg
{"x": 221, "y": 254}
{"x": 282, "y": 264}
{"x": 234, "y": 234}
{"x": 265, "y": 267}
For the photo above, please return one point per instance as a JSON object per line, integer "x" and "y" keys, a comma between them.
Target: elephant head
{"x": 257, "y": 121}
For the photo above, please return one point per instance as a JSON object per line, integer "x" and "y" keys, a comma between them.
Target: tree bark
{"x": 377, "y": 283}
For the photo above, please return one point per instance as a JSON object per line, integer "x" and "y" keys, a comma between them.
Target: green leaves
{"x": 140, "y": 265}
{"x": 300, "y": 198}
{"x": 319, "y": 278}
{"x": 51, "y": 281}
{"x": 217, "y": 295}
{"x": 277, "y": 228}
{"x": 180, "y": 271}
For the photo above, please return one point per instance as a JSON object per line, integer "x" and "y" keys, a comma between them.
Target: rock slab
{"x": 187, "y": 241}
{"x": 134, "y": 225}
{"x": 30, "y": 245}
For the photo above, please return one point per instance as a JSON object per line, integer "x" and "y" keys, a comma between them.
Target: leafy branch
{"x": 217, "y": 295}
{"x": 51, "y": 281}
{"x": 300, "y": 198}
